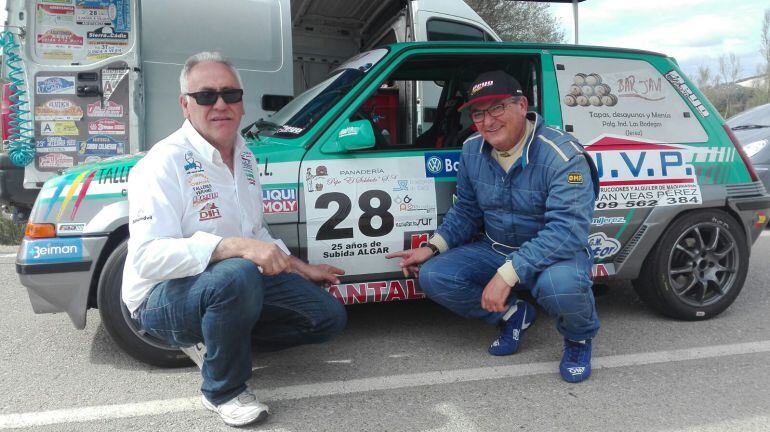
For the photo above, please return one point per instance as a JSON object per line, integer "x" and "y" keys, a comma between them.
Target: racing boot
{"x": 518, "y": 318}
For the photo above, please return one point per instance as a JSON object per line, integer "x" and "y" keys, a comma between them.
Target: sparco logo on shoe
{"x": 576, "y": 370}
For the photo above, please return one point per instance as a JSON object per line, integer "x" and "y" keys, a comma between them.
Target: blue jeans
{"x": 456, "y": 279}
{"x": 232, "y": 305}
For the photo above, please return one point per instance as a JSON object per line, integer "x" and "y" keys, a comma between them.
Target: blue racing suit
{"x": 537, "y": 216}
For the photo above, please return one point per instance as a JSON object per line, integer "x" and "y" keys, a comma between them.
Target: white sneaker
{"x": 240, "y": 410}
{"x": 196, "y": 353}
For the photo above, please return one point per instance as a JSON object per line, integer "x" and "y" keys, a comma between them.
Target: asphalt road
{"x": 411, "y": 367}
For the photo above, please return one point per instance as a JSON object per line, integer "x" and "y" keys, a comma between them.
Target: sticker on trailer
{"x": 92, "y": 16}
{"x": 638, "y": 174}
{"x": 55, "y": 85}
{"x": 55, "y": 160}
{"x": 56, "y": 144}
{"x": 101, "y": 146}
{"x": 54, "y": 15}
{"x": 60, "y": 38}
{"x": 106, "y": 126}
{"x": 622, "y": 97}
{"x": 101, "y": 51}
{"x": 59, "y": 128}
{"x": 106, "y": 109}
{"x": 359, "y": 210}
{"x": 107, "y": 35}
{"x": 58, "y": 109}
{"x": 111, "y": 78}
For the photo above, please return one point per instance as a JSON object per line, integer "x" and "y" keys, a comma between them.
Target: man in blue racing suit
{"x": 532, "y": 188}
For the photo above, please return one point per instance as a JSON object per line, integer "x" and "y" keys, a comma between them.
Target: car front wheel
{"x": 119, "y": 324}
{"x": 697, "y": 268}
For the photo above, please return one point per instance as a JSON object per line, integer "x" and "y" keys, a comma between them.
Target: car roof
{"x": 757, "y": 115}
{"x": 520, "y": 45}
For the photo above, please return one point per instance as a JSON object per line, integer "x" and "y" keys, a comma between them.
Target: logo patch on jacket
{"x": 209, "y": 211}
{"x": 575, "y": 178}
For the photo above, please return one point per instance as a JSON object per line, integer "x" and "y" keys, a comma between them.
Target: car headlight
{"x": 753, "y": 148}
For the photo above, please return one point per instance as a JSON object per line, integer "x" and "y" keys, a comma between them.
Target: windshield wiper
{"x": 749, "y": 126}
{"x": 260, "y": 125}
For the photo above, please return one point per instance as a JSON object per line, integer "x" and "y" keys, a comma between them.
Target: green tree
{"x": 520, "y": 21}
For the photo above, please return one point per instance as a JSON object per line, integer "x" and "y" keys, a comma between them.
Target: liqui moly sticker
{"x": 108, "y": 109}
{"x": 58, "y": 109}
{"x": 55, "y": 85}
{"x": 106, "y": 126}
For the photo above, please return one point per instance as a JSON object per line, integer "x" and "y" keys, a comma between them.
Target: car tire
{"x": 117, "y": 320}
{"x": 697, "y": 268}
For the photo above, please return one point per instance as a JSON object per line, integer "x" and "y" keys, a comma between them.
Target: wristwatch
{"x": 434, "y": 248}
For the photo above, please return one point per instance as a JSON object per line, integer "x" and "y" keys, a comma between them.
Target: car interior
{"x": 416, "y": 106}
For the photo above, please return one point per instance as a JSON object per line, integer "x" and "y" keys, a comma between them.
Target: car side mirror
{"x": 354, "y": 135}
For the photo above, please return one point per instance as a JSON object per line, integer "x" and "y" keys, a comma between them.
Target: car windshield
{"x": 303, "y": 111}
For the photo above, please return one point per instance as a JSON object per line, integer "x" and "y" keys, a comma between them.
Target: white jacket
{"x": 182, "y": 201}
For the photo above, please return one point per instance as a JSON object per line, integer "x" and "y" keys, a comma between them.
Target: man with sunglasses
{"x": 532, "y": 189}
{"x": 202, "y": 271}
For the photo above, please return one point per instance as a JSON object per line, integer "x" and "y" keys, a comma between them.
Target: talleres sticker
{"x": 359, "y": 211}
{"x": 638, "y": 174}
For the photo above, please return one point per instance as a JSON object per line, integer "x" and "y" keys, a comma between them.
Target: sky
{"x": 694, "y": 32}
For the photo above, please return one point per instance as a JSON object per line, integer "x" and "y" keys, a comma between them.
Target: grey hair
{"x": 205, "y": 56}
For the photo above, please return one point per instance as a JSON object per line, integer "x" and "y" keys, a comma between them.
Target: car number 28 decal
{"x": 360, "y": 210}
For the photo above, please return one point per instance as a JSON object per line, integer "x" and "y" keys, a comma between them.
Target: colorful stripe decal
{"x": 55, "y": 196}
{"x": 82, "y": 194}
{"x": 70, "y": 193}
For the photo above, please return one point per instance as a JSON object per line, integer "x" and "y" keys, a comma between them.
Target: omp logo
{"x": 603, "y": 246}
{"x": 575, "y": 178}
{"x": 63, "y": 250}
{"x": 621, "y": 161}
{"x": 434, "y": 165}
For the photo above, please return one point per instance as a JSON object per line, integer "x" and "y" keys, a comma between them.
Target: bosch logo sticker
{"x": 54, "y": 250}
{"x": 443, "y": 164}
{"x": 602, "y": 246}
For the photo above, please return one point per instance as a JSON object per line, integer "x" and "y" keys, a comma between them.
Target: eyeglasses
{"x": 495, "y": 111}
{"x": 210, "y": 97}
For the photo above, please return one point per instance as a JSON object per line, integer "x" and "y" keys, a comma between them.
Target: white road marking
{"x": 10, "y": 255}
{"x": 456, "y": 421}
{"x": 348, "y": 361}
{"x": 399, "y": 355}
{"x": 392, "y": 382}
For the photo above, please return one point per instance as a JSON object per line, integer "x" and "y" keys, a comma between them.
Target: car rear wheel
{"x": 697, "y": 268}
{"x": 119, "y": 324}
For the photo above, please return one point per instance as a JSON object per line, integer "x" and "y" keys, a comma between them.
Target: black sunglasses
{"x": 210, "y": 97}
